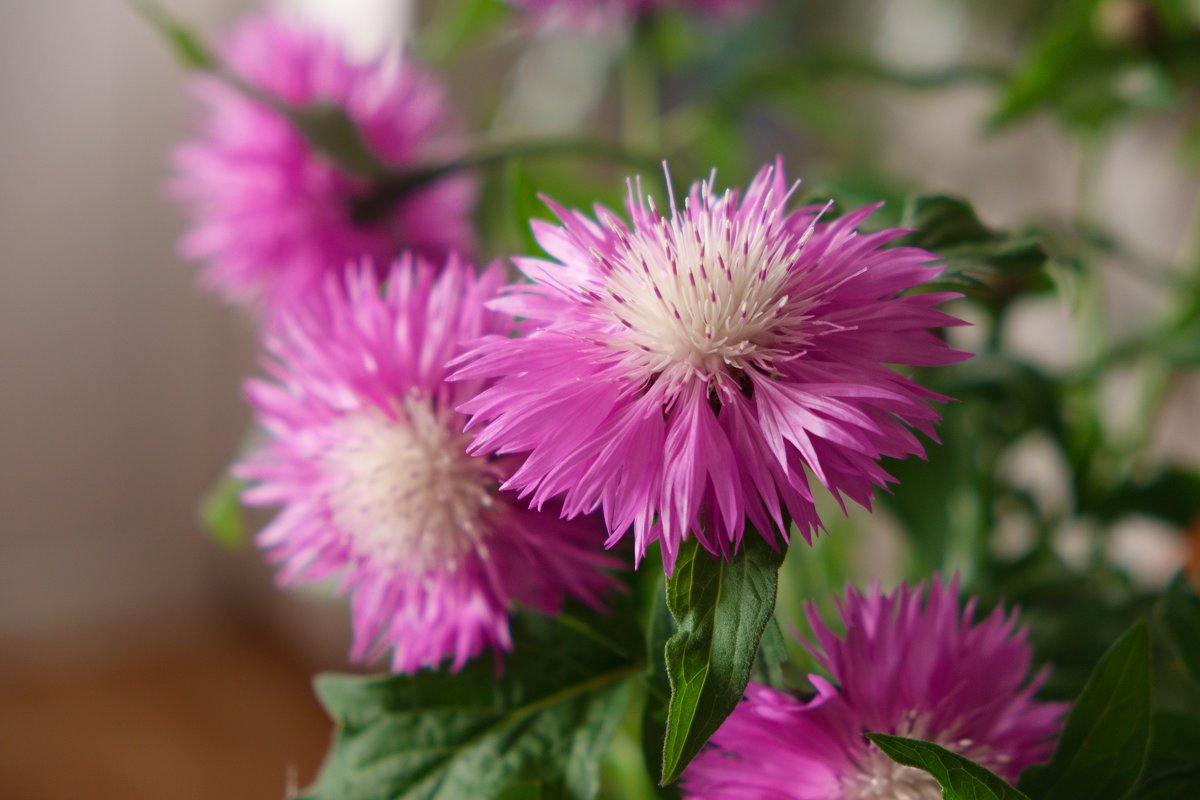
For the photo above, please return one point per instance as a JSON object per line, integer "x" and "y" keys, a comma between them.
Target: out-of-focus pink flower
{"x": 270, "y": 218}
{"x": 685, "y": 371}
{"x": 366, "y": 455}
{"x": 904, "y": 667}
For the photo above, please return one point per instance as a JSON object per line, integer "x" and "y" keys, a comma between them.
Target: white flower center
{"x": 884, "y": 779}
{"x": 704, "y": 292}
{"x": 406, "y": 491}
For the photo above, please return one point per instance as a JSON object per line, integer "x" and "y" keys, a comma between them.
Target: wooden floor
{"x": 194, "y": 711}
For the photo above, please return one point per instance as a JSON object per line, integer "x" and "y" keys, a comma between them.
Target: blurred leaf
{"x": 549, "y": 715}
{"x": 526, "y": 206}
{"x": 1102, "y": 748}
{"x": 221, "y": 513}
{"x": 949, "y": 228}
{"x": 1098, "y": 59}
{"x": 959, "y": 777}
{"x": 535, "y": 790}
{"x": 1180, "y": 615}
{"x": 1073, "y": 617}
{"x": 187, "y": 45}
{"x": 1173, "y": 762}
{"x": 457, "y": 24}
{"x": 1066, "y": 54}
{"x": 720, "y": 609}
{"x": 328, "y": 130}
{"x": 1173, "y": 495}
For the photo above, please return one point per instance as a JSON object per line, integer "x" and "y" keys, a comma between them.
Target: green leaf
{"x": 1180, "y": 615}
{"x": 329, "y": 130}
{"x": 547, "y": 717}
{"x": 187, "y": 45}
{"x": 1174, "y": 743}
{"x": 949, "y": 227}
{"x": 772, "y": 656}
{"x": 1103, "y": 745}
{"x": 1173, "y": 763}
{"x": 720, "y": 609}
{"x": 456, "y": 25}
{"x": 1065, "y": 52}
{"x": 1172, "y": 495}
{"x": 959, "y": 777}
{"x": 221, "y": 513}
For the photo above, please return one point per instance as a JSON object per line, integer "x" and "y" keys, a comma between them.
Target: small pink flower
{"x": 366, "y": 455}
{"x": 686, "y": 371}
{"x": 904, "y": 666}
{"x": 269, "y": 217}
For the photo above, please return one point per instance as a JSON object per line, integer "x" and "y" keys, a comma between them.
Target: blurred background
{"x": 140, "y": 659}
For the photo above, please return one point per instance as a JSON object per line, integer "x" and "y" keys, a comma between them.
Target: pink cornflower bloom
{"x": 685, "y": 371}
{"x": 904, "y": 667}
{"x": 366, "y": 455}
{"x": 270, "y": 218}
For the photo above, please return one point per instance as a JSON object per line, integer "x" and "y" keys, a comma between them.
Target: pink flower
{"x": 366, "y": 456}
{"x": 271, "y": 218}
{"x": 684, "y": 372}
{"x": 904, "y": 667}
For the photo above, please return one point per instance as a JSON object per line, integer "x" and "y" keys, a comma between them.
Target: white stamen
{"x": 706, "y": 291}
{"x": 408, "y": 493}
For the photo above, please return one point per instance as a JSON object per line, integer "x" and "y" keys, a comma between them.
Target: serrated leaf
{"x": 959, "y": 777}
{"x": 546, "y": 718}
{"x": 1102, "y": 748}
{"x": 221, "y": 513}
{"x": 949, "y": 227}
{"x": 720, "y": 609}
{"x": 1180, "y": 615}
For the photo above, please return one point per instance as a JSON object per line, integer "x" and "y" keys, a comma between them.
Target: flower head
{"x": 685, "y": 371}
{"x": 270, "y": 217}
{"x": 906, "y": 666}
{"x": 367, "y": 458}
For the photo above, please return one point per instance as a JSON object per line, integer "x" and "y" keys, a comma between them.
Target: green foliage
{"x": 1102, "y": 747}
{"x": 458, "y": 24}
{"x": 220, "y": 512}
{"x": 1099, "y": 59}
{"x": 546, "y": 715}
{"x": 1180, "y": 615}
{"x": 187, "y": 46}
{"x": 1173, "y": 761}
{"x": 1172, "y": 495}
{"x": 949, "y": 227}
{"x": 720, "y": 609}
{"x": 959, "y": 777}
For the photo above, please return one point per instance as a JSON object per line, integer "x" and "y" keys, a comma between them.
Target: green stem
{"x": 392, "y": 186}
{"x": 641, "y": 105}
